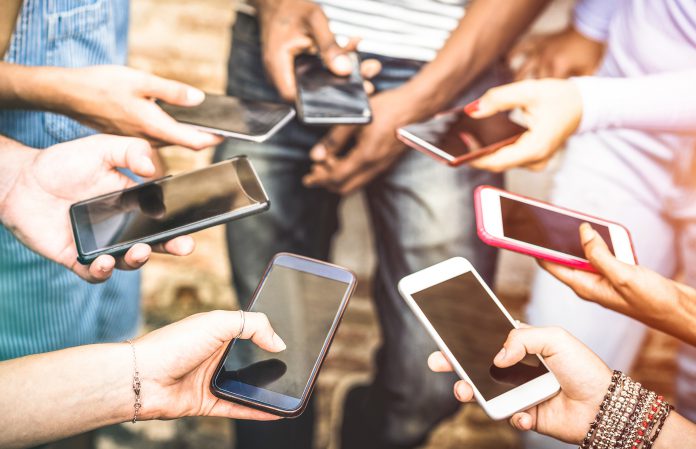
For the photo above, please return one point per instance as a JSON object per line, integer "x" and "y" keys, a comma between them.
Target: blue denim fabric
{"x": 43, "y": 306}
{"x": 421, "y": 212}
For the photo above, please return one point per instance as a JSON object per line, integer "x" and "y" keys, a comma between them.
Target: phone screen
{"x": 321, "y": 94}
{"x": 166, "y": 204}
{"x": 546, "y": 228}
{"x": 456, "y": 134}
{"x": 231, "y": 114}
{"x": 302, "y": 308}
{"x": 474, "y": 329}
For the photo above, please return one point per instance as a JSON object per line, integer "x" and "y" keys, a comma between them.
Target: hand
{"x": 631, "y": 290}
{"x": 120, "y": 100}
{"x": 177, "y": 363}
{"x": 558, "y": 55}
{"x": 583, "y": 377}
{"x": 552, "y": 109}
{"x": 375, "y": 150}
{"x": 291, "y": 27}
{"x": 36, "y": 208}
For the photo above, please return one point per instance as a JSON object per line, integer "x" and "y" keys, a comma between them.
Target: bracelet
{"x": 629, "y": 417}
{"x": 136, "y": 384}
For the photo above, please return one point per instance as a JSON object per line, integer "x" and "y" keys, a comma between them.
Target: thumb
{"x": 257, "y": 328}
{"x": 170, "y": 91}
{"x": 335, "y": 140}
{"x": 543, "y": 341}
{"x": 502, "y": 98}
{"x": 599, "y": 255}
{"x": 128, "y": 152}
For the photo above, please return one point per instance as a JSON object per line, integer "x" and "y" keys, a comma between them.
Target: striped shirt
{"x": 405, "y": 29}
{"x": 44, "y": 306}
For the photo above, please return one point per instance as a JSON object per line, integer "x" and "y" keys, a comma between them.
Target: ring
{"x": 241, "y": 329}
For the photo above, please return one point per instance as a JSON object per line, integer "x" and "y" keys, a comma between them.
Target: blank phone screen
{"x": 546, "y": 228}
{"x": 301, "y": 307}
{"x": 166, "y": 204}
{"x": 323, "y": 94}
{"x": 474, "y": 329}
{"x": 231, "y": 114}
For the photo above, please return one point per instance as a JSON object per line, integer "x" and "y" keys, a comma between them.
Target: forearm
{"x": 677, "y": 432}
{"x": 13, "y": 158}
{"x": 58, "y": 394}
{"x": 45, "y": 88}
{"x": 484, "y": 34}
{"x": 664, "y": 102}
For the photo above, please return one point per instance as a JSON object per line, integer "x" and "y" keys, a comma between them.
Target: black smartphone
{"x": 304, "y": 300}
{"x": 326, "y": 99}
{"x": 233, "y": 117}
{"x": 162, "y": 209}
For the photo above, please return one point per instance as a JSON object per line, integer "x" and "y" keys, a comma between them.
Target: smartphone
{"x": 326, "y": 99}
{"x": 162, "y": 209}
{"x": 233, "y": 117}
{"x": 542, "y": 230}
{"x": 454, "y": 138}
{"x": 304, "y": 299}
{"x": 470, "y": 325}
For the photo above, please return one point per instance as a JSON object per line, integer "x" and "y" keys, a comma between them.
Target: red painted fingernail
{"x": 472, "y": 107}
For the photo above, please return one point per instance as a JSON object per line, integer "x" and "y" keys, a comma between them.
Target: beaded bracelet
{"x": 629, "y": 417}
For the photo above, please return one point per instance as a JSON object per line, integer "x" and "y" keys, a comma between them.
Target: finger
{"x": 602, "y": 259}
{"x": 178, "y": 246}
{"x": 332, "y": 142}
{"x": 369, "y": 87}
{"x": 127, "y": 152}
{"x": 99, "y": 270}
{"x": 161, "y": 126}
{"x": 543, "y": 341}
{"x": 438, "y": 363}
{"x": 463, "y": 391}
{"x": 280, "y": 63}
{"x": 226, "y": 409}
{"x": 335, "y": 176}
{"x": 527, "y": 71}
{"x": 530, "y": 148}
{"x": 522, "y": 421}
{"x": 502, "y": 98}
{"x": 370, "y": 68}
{"x": 331, "y": 53}
{"x": 170, "y": 91}
{"x": 136, "y": 256}
{"x": 259, "y": 330}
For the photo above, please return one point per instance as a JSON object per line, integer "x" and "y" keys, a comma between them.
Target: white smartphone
{"x": 510, "y": 221}
{"x": 470, "y": 325}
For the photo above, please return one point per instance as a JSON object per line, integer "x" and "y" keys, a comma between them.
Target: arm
{"x": 54, "y": 395}
{"x": 484, "y": 33}
{"x": 664, "y": 102}
{"x": 592, "y": 18}
{"x": 111, "y": 99}
{"x": 37, "y": 188}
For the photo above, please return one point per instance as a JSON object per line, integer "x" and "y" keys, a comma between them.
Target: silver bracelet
{"x": 136, "y": 384}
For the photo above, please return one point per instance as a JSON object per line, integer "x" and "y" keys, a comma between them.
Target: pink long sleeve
{"x": 660, "y": 102}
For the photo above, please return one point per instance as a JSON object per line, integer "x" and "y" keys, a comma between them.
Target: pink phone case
{"x": 512, "y": 246}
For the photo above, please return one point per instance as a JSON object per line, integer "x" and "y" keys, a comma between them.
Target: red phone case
{"x": 512, "y": 246}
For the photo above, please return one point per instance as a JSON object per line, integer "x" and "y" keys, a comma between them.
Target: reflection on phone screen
{"x": 323, "y": 94}
{"x": 546, "y": 228}
{"x": 474, "y": 329}
{"x": 302, "y": 308}
{"x": 166, "y": 204}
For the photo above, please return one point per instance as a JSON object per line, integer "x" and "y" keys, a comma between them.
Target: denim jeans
{"x": 421, "y": 213}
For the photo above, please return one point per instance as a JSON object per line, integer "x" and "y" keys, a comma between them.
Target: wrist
{"x": 16, "y": 161}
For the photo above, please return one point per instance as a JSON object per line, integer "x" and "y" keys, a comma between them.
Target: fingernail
{"x": 194, "y": 96}
{"x": 147, "y": 166}
{"x": 500, "y": 356}
{"x": 279, "y": 343}
{"x": 472, "y": 107}
{"x": 343, "y": 64}
{"x": 318, "y": 152}
{"x": 587, "y": 233}
{"x": 456, "y": 391}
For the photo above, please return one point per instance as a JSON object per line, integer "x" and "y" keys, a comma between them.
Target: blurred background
{"x": 190, "y": 41}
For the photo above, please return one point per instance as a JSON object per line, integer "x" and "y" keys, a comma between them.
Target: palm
{"x": 45, "y": 195}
